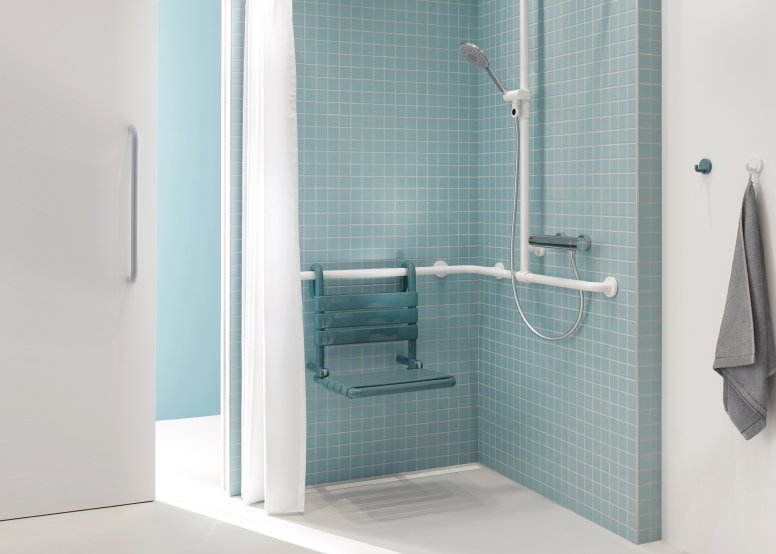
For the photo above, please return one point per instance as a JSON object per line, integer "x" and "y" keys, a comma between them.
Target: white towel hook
{"x": 754, "y": 166}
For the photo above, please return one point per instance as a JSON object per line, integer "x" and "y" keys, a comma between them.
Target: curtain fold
{"x": 273, "y": 387}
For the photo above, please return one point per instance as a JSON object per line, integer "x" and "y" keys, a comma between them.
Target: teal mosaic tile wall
{"x": 235, "y": 249}
{"x": 576, "y": 420}
{"x": 386, "y": 174}
{"x": 387, "y": 145}
{"x": 650, "y": 270}
{"x": 407, "y": 152}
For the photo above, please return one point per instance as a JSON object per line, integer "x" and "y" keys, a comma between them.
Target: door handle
{"x": 133, "y": 206}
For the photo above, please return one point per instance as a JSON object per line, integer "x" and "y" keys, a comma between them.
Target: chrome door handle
{"x": 133, "y": 207}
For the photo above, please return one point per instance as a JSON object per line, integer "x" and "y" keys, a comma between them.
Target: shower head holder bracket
{"x": 520, "y": 100}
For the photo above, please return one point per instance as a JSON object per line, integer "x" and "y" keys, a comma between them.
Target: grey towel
{"x": 746, "y": 355}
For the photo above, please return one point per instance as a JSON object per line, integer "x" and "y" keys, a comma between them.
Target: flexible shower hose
{"x": 572, "y": 255}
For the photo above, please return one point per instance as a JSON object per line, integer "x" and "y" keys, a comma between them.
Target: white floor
{"x": 187, "y": 451}
{"x": 456, "y": 510}
{"x": 151, "y": 528}
{"x": 476, "y": 510}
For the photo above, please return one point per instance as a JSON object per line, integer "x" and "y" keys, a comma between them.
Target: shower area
{"x": 408, "y": 153}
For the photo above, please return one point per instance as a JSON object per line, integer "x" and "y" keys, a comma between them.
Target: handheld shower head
{"x": 472, "y": 54}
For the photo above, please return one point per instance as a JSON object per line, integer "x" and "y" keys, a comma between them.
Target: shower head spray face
{"x": 472, "y": 54}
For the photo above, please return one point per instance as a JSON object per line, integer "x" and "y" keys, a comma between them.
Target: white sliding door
{"x": 76, "y": 336}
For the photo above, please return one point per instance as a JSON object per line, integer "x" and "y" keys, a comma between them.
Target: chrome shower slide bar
{"x": 440, "y": 269}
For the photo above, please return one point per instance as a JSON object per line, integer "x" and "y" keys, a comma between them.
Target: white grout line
{"x": 393, "y": 478}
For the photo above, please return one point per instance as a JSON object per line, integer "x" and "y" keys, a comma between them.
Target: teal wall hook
{"x": 703, "y": 166}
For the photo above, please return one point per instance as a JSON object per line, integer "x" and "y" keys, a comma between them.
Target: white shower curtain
{"x": 273, "y": 387}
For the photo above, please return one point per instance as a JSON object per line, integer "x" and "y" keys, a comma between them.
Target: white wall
{"x": 719, "y": 101}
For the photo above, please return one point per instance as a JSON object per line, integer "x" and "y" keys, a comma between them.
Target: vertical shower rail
{"x": 521, "y": 105}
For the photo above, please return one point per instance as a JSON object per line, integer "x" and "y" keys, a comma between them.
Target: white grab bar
{"x": 440, "y": 269}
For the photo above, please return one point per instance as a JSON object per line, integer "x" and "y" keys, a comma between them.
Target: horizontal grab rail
{"x": 608, "y": 286}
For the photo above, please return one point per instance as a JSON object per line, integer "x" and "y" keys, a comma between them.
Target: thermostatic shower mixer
{"x": 559, "y": 240}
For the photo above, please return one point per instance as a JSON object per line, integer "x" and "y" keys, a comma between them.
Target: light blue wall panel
{"x": 188, "y": 280}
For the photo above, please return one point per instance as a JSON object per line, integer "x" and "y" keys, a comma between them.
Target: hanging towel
{"x": 746, "y": 355}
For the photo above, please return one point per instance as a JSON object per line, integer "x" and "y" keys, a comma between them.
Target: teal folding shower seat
{"x": 368, "y": 318}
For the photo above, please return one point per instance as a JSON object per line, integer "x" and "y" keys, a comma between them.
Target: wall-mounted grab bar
{"x": 582, "y": 242}
{"x": 608, "y": 286}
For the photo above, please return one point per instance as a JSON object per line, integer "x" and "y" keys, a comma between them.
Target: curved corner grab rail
{"x": 608, "y": 286}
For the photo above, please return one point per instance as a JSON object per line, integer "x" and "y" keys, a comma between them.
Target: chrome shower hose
{"x": 572, "y": 255}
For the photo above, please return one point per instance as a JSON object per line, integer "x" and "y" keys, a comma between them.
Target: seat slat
{"x": 361, "y": 335}
{"x": 363, "y": 318}
{"x": 386, "y": 382}
{"x": 379, "y": 300}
